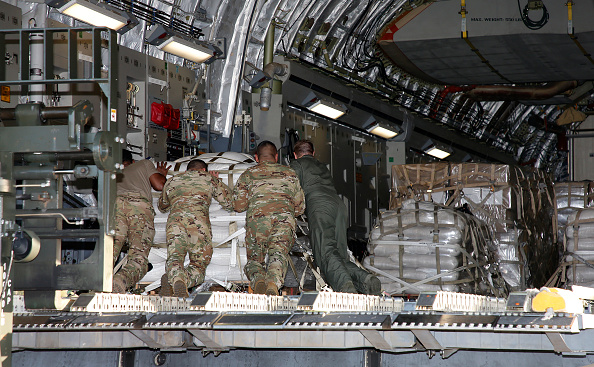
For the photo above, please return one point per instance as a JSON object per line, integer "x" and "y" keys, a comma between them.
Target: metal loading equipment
{"x": 437, "y": 323}
{"x": 43, "y": 150}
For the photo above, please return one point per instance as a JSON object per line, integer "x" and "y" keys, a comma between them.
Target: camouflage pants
{"x": 272, "y": 235}
{"x": 188, "y": 234}
{"x": 134, "y": 221}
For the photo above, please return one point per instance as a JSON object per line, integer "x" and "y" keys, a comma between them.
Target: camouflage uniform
{"x": 272, "y": 196}
{"x": 189, "y": 195}
{"x": 134, "y": 221}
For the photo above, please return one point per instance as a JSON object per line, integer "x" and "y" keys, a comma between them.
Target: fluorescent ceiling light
{"x": 93, "y": 14}
{"x": 437, "y": 152}
{"x": 327, "y": 109}
{"x": 186, "y": 49}
{"x": 380, "y": 128}
{"x": 383, "y": 132}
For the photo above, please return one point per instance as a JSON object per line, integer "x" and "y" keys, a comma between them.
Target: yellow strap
{"x": 463, "y": 13}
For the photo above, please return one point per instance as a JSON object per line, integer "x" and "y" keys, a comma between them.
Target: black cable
{"x": 529, "y": 23}
{"x": 291, "y": 137}
{"x": 286, "y": 29}
{"x": 155, "y": 16}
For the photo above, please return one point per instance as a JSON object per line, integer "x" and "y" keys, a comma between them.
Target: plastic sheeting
{"x": 221, "y": 268}
{"x": 579, "y": 248}
{"x": 515, "y": 203}
{"x": 569, "y": 198}
{"x": 431, "y": 247}
{"x": 234, "y": 21}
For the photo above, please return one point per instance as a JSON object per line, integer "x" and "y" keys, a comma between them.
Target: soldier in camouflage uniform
{"x": 272, "y": 196}
{"x": 188, "y": 196}
{"x": 134, "y": 217}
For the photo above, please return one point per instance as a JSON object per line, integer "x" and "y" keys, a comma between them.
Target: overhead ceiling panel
{"x": 432, "y": 42}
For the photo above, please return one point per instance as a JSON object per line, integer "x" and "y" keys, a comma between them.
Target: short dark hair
{"x": 303, "y": 147}
{"x": 266, "y": 148}
{"x": 127, "y": 156}
{"x": 197, "y": 164}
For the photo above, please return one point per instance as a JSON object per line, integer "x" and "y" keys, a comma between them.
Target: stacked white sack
{"x": 579, "y": 246}
{"x": 225, "y": 266}
{"x": 229, "y": 165}
{"x": 415, "y": 243}
{"x": 516, "y": 203}
{"x": 569, "y": 198}
{"x": 508, "y": 253}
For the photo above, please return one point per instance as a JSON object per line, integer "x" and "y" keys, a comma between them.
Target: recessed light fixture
{"x": 98, "y": 15}
{"x": 169, "y": 41}
{"x": 327, "y": 109}
{"x": 324, "y": 107}
{"x": 437, "y": 152}
{"x": 381, "y": 129}
{"x": 186, "y": 49}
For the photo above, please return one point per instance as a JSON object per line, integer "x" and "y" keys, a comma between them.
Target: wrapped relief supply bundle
{"x": 228, "y": 233}
{"x": 426, "y": 247}
{"x": 420, "y": 182}
{"x": 515, "y": 203}
{"x": 569, "y": 198}
{"x": 578, "y": 264}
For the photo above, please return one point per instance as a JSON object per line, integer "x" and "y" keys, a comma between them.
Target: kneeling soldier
{"x": 188, "y": 196}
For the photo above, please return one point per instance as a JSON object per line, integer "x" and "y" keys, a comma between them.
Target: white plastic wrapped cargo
{"x": 505, "y": 197}
{"x": 389, "y": 286}
{"x": 581, "y": 224}
{"x": 580, "y": 274}
{"x": 413, "y": 261}
{"x": 421, "y": 273}
{"x": 420, "y": 221}
{"x": 422, "y": 246}
{"x": 579, "y": 246}
{"x": 414, "y": 242}
{"x": 582, "y": 244}
{"x": 225, "y": 264}
{"x": 512, "y": 263}
{"x": 570, "y": 197}
{"x": 493, "y": 205}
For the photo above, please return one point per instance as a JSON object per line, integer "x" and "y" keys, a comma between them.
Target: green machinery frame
{"x": 34, "y": 155}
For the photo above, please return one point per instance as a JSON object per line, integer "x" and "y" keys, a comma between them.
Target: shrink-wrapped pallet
{"x": 423, "y": 247}
{"x": 509, "y": 254}
{"x": 226, "y": 264}
{"x": 513, "y": 202}
{"x": 569, "y": 198}
{"x": 418, "y": 181}
{"x": 578, "y": 264}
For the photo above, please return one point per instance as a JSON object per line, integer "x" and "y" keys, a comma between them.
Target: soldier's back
{"x": 271, "y": 189}
{"x": 190, "y": 191}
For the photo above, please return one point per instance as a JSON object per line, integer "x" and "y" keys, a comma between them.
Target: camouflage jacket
{"x": 268, "y": 188}
{"x": 192, "y": 191}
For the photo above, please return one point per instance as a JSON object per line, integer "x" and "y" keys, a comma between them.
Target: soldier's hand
{"x": 163, "y": 168}
{"x": 214, "y": 173}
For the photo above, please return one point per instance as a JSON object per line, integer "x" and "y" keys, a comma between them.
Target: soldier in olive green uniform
{"x": 272, "y": 196}
{"x": 134, "y": 217}
{"x": 327, "y": 219}
{"x": 188, "y": 196}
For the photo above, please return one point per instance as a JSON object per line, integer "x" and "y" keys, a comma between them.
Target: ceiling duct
{"x": 513, "y": 93}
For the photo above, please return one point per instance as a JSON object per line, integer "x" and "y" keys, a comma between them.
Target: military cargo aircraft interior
{"x": 296, "y": 182}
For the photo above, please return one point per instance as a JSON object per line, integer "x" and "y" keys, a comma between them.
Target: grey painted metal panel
{"x": 296, "y": 358}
